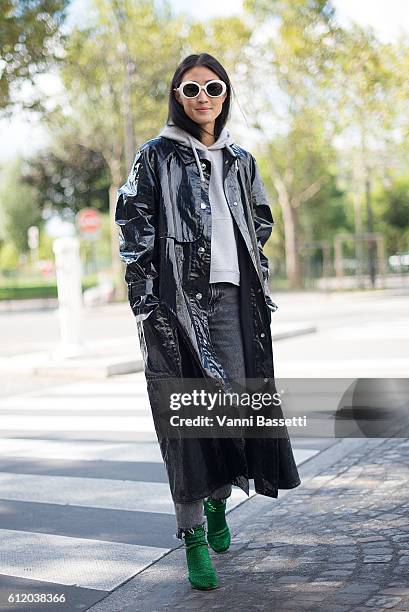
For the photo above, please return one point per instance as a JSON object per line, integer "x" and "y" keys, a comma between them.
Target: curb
{"x": 93, "y": 366}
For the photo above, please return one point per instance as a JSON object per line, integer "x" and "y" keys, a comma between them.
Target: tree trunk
{"x": 293, "y": 264}
{"x": 290, "y": 219}
{"x": 371, "y": 244}
{"x": 118, "y": 267}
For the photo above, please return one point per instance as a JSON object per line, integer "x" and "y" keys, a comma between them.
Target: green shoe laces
{"x": 201, "y": 573}
{"x": 218, "y": 532}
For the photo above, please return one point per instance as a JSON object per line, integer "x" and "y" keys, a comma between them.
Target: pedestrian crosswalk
{"x": 94, "y": 564}
{"x": 84, "y": 497}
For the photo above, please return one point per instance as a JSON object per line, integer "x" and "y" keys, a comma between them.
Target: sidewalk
{"x": 108, "y": 356}
{"x": 338, "y": 542}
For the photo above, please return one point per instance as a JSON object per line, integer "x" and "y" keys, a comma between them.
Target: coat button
{"x": 234, "y": 203}
{"x": 201, "y": 249}
{"x": 202, "y": 205}
{"x": 199, "y": 296}
{"x": 262, "y": 335}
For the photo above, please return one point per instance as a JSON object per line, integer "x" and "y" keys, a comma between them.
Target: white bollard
{"x": 68, "y": 271}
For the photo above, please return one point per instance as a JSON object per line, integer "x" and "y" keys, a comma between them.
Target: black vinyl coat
{"x": 165, "y": 240}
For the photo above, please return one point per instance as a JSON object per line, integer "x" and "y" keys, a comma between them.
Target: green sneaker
{"x": 218, "y": 532}
{"x": 201, "y": 573}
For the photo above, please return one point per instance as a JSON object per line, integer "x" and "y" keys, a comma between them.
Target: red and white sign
{"x": 89, "y": 221}
{"x": 46, "y": 267}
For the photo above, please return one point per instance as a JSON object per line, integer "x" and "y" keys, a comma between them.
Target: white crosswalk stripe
{"x": 78, "y": 423}
{"x": 64, "y": 560}
{"x": 82, "y": 451}
{"x": 89, "y": 492}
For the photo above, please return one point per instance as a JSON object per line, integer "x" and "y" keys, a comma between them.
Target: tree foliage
{"x": 75, "y": 177}
{"x": 19, "y": 206}
{"x": 30, "y": 42}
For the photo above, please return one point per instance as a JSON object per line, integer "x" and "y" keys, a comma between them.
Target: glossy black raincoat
{"x": 164, "y": 215}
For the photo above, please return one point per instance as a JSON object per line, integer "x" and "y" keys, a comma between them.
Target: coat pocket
{"x": 182, "y": 230}
{"x": 162, "y": 358}
{"x": 181, "y": 217}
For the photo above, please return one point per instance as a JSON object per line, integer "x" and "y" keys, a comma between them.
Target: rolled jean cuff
{"x": 218, "y": 498}
{"x": 181, "y": 531}
{"x": 221, "y": 493}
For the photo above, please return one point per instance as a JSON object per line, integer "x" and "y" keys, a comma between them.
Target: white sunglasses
{"x": 191, "y": 89}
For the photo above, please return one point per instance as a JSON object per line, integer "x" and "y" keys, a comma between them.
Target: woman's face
{"x": 191, "y": 106}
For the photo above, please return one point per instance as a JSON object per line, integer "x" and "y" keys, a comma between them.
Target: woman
{"x": 193, "y": 218}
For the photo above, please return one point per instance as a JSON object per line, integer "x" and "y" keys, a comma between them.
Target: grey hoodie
{"x": 224, "y": 265}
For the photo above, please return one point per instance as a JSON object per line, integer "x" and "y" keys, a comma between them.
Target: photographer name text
{"x": 224, "y": 421}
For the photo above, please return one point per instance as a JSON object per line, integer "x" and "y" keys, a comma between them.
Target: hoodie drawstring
{"x": 202, "y": 178}
{"x": 199, "y": 165}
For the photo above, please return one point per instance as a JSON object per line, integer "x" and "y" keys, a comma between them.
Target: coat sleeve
{"x": 136, "y": 216}
{"x": 263, "y": 222}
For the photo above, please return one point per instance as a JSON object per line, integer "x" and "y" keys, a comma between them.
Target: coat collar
{"x": 231, "y": 152}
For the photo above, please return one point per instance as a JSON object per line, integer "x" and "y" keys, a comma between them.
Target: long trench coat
{"x": 164, "y": 218}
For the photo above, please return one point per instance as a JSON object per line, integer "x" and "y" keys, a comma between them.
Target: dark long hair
{"x": 176, "y": 112}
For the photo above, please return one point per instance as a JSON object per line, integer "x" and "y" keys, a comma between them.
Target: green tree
{"x": 30, "y": 42}
{"x": 9, "y": 257}
{"x": 19, "y": 207}
{"x": 67, "y": 174}
{"x": 391, "y": 203}
{"x": 306, "y": 64}
{"x": 369, "y": 100}
{"x": 301, "y": 171}
{"x": 291, "y": 68}
{"x": 117, "y": 89}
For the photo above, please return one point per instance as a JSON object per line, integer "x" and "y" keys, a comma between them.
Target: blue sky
{"x": 388, "y": 17}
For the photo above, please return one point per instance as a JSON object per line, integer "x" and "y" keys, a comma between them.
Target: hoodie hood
{"x": 173, "y": 132}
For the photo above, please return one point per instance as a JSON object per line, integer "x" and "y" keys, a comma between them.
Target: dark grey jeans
{"x": 225, "y": 334}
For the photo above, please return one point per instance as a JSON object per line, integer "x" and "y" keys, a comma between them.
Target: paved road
{"x": 359, "y": 335}
{"x": 384, "y": 313}
{"x": 84, "y": 498}
{"x": 338, "y": 543}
